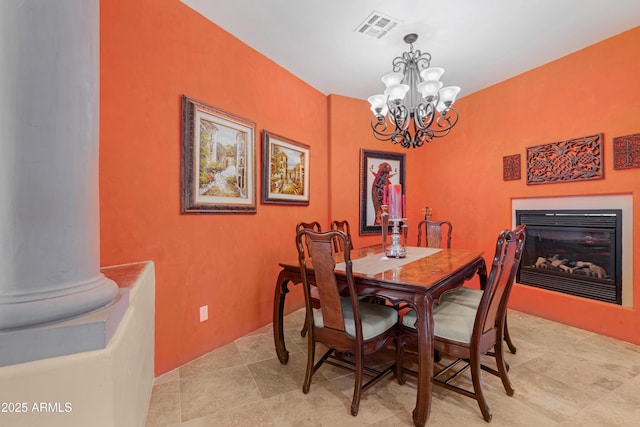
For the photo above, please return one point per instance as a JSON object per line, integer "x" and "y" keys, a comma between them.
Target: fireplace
{"x": 577, "y": 252}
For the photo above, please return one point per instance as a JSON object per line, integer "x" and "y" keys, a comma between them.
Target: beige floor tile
{"x": 221, "y": 358}
{"x": 273, "y": 378}
{"x": 205, "y": 394}
{"x": 563, "y": 376}
{"x": 251, "y": 415}
{"x": 254, "y": 348}
{"x": 164, "y": 407}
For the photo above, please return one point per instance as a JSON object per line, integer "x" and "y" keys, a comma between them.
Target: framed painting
{"x": 377, "y": 170}
{"x": 218, "y": 160}
{"x": 285, "y": 170}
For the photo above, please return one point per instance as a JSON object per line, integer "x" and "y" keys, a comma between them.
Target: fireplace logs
{"x": 584, "y": 268}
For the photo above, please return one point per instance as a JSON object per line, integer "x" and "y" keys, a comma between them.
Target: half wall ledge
{"x": 106, "y": 387}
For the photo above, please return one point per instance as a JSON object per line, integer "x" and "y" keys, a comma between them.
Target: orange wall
{"x": 152, "y": 52}
{"x": 596, "y": 90}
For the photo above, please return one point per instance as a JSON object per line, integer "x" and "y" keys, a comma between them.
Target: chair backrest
{"x": 345, "y": 228}
{"x": 314, "y": 226}
{"x": 323, "y": 266}
{"x": 493, "y": 304}
{"x": 434, "y": 232}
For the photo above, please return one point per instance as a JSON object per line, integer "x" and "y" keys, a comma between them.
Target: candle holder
{"x": 399, "y": 230}
{"x": 384, "y": 218}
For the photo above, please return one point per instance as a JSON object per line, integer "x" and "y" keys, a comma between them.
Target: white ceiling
{"x": 478, "y": 42}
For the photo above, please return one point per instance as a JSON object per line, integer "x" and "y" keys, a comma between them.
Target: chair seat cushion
{"x": 451, "y": 321}
{"x": 463, "y": 296}
{"x": 376, "y": 318}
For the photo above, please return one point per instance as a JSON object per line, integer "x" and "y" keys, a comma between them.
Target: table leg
{"x": 424, "y": 326}
{"x": 482, "y": 274}
{"x": 278, "y": 314}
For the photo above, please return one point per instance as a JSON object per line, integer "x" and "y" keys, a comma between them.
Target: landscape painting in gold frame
{"x": 218, "y": 160}
{"x": 285, "y": 170}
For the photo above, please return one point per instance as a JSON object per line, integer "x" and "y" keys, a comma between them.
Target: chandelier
{"x": 414, "y": 108}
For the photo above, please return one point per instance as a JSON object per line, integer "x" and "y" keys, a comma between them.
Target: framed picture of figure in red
{"x": 378, "y": 169}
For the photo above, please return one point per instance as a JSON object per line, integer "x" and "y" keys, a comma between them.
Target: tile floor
{"x": 563, "y": 376}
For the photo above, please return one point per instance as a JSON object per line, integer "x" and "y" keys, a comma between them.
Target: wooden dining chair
{"x": 463, "y": 295}
{"x": 343, "y": 323}
{"x": 314, "y": 226}
{"x": 345, "y": 228}
{"x": 467, "y": 333}
{"x": 434, "y": 233}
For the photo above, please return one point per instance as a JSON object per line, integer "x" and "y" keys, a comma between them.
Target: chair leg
{"x": 507, "y": 337}
{"x": 400, "y": 343}
{"x": 311, "y": 352}
{"x": 477, "y": 388}
{"x": 357, "y": 388}
{"x": 503, "y": 368}
{"x": 303, "y": 331}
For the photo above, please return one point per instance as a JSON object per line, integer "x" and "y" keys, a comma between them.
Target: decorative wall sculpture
{"x": 511, "y": 167}
{"x": 626, "y": 151}
{"x": 578, "y": 159}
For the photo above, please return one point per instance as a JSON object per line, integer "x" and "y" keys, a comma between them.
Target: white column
{"x": 49, "y": 134}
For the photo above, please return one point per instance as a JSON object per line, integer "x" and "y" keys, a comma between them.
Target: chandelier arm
{"x": 399, "y": 116}
{"x": 421, "y": 135}
{"x": 379, "y": 126}
{"x": 425, "y": 114}
{"x": 403, "y": 138}
{"x": 422, "y": 60}
{"x": 399, "y": 64}
{"x": 444, "y": 124}
{"x": 397, "y": 136}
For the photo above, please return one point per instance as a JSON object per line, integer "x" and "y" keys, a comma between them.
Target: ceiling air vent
{"x": 377, "y": 25}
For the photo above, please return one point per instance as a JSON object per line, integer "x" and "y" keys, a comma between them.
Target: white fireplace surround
{"x": 607, "y": 201}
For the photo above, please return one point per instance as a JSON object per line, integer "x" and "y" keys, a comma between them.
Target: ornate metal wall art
{"x": 511, "y": 167}
{"x": 626, "y": 151}
{"x": 577, "y": 159}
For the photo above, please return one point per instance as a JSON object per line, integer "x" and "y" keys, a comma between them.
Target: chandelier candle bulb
{"x": 395, "y": 201}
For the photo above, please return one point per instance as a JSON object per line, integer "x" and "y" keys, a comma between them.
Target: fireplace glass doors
{"x": 578, "y": 252}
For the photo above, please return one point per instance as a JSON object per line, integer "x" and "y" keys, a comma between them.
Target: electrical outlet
{"x": 204, "y": 313}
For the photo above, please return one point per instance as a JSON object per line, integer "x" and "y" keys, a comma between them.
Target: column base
{"x": 51, "y": 306}
{"x": 90, "y": 331}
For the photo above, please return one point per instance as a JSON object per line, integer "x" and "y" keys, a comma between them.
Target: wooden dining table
{"x": 417, "y": 280}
